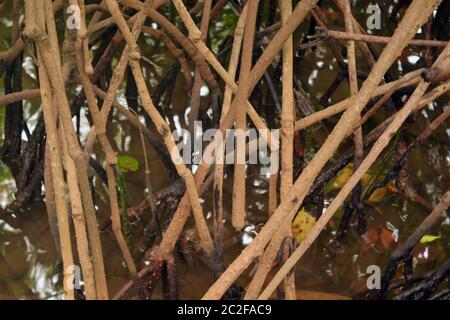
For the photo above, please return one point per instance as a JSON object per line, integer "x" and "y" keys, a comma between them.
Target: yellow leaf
{"x": 366, "y": 178}
{"x": 343, "y": 176}
{"x": 302, "y": 224}
{"x": 379, "y": 194}
{"x": 428, "y": 238}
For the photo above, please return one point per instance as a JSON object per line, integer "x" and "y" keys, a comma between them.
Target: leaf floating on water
{"x": 342, "y": 178}
{"x": 428, "y": 238}
{"x": 127, "y": 164}
{"x": 345, "y": 174}
{"x": 302, "y": 224}
{"x": 387, "y": 237}
{"x": 379, "y": 194}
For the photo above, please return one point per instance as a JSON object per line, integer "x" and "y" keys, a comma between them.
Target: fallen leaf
{"x": 377, "y": 196}
{"x": 380, "y": 193}
{"x": 302, "y": 224}
{"x": 345, "y": 174}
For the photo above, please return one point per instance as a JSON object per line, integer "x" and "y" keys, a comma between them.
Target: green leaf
{"x": 127, "y": 164}
{"x": 428, "y": 238}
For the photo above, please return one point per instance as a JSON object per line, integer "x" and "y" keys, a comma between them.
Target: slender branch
{"x": 219, "y": 165}
{"x": 198, "y": 81}
{"x": 239, "y": 183}
{"x": 340, "y": 35}
{"x": 17, "y": 96}
{"x": 409, "y": 79}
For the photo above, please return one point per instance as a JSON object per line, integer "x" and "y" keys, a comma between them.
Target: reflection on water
{"x": 7, "y": 186}
{"x": 28, "y": 263}
{"x": 27, "y": 257}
